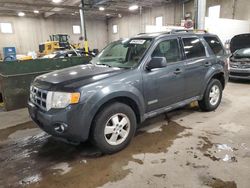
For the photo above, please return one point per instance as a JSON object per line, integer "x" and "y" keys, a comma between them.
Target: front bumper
{"x": 70, "y": 117}
{"x": 239, "y": 73}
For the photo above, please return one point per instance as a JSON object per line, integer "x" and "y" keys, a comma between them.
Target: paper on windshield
{"x": 137, "y": 41}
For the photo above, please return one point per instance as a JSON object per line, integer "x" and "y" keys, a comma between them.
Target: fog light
{"x": 60, "y": 127}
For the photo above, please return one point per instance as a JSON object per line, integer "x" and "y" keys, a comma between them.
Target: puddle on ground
{"x": 28, "y": 159}
{"x": 218, "y": 183}
{"x": 160, "y": 175}
{"x": 216, "y": 152}
{"x": 4, "y": 133}
{"x": 206, "y": 144}
{"x": 195, "y": 165}
{"x": 152, "y": 129}
{"x": 30, "y": 180}
{"x": 63, "y": 168}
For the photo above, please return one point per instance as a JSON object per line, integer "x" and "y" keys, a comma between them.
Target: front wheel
{"x": 113, "y": 128}
{"x": 212, "y": 97}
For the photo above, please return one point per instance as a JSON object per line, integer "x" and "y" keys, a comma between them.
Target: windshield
{"x": 60, "y": 38}
{"x": 123, "y": 54}
{"x": 245, "y": 53}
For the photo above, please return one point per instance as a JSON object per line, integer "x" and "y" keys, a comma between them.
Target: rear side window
{"x": 193, "y": 48}
{"x": 215, "y": 45}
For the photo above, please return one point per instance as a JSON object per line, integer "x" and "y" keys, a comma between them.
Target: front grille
{"x": 38, "y": 97}
{"x": 240, "y": 65}
{"x": 243, "y": 74}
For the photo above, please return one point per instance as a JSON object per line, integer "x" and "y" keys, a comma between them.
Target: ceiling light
{"x": 108, "y": 14}
{"x": 119, "y": 15}
{"x": 21, "y": 14}
{"x": 133, "y": 7}
{"x": 36, "y": 11}
{"x": 101, "y": 8}
{"x": 56, "y": 1}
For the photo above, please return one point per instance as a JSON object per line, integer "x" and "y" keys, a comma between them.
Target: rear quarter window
{"x": 215, "y": 45}
{"x": 193, "y": 48}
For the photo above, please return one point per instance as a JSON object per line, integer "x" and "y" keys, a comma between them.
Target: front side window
{"x": 123, "y": 54}
{"x": 168, "y": 49}
{"x": 215, "y": 45}
{"x": 193, "y": 48}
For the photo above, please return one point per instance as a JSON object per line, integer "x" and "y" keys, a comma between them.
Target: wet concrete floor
{"x": 28, "y": 156}
{"x": 185, "y": 148}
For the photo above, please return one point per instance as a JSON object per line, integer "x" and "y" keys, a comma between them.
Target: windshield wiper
{"x": 104, "y": 64}
{"x": 121, "y": 60}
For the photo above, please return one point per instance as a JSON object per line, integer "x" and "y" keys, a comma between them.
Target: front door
{"x": 164, "y": 86}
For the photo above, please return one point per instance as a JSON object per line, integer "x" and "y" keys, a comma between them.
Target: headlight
{"x": 61, "y": 100}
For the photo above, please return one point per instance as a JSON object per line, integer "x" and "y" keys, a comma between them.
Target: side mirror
{"x": 156, "y": 63}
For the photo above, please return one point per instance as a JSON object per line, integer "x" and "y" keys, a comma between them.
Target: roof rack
{"x": 181, "y": 31}
{"x": 141, "y": 33}
{"x": 174, "y": 31}
{"x": 196, "y": 31}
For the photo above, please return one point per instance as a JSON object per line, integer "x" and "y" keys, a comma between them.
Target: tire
{"x": 208, "y": 104}
{"x": 116, "y": 119}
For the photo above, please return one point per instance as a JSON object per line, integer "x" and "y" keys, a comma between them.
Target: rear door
{"x": 217, "y": 50}
{"x": 196, "y": 65}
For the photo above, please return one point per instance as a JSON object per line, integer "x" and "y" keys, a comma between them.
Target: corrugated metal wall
{"x": 29, "y": 32}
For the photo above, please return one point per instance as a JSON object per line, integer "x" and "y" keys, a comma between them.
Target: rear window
{"x": 215, "y": 45}
{"x": 193, "y": 48}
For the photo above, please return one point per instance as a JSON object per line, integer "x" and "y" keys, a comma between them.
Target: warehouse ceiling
{"x": 48, "y": 8}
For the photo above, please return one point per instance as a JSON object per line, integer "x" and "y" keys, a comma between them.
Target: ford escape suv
{"x": 129, "y": 81}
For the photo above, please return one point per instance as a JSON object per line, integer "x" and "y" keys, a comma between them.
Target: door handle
{"x": 178, "y": 71}
{"x": 207, "y": 64}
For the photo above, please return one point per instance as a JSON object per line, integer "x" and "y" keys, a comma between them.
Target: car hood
{"x": 76, "y": 76}
{"x": 239, "y": 42}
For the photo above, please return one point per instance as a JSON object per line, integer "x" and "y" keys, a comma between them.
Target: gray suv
{"x": 128, "y": 82}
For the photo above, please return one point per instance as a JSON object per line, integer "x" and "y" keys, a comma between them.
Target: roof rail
{"x": 174, "y": 31}
{"x": 141, "y": 33}
{"x": 181, "y": 31}
{"x": 200, "y": 31}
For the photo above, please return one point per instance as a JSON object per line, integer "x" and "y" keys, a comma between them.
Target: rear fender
{"x": 214, "y": 70}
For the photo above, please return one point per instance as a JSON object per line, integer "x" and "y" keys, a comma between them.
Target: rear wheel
{"x": 212, "y": 97}
{"x": 113, "y": 128}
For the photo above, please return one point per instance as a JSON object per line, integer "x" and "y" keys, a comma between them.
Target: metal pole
{"x": 195, "y": 14}
{"x": 201, "y": 13}
{"x": 141, "y": 27}
{"x": 83, "y": 27}
{"x": 183, "y": 11}
{"x": 234, "y": 8}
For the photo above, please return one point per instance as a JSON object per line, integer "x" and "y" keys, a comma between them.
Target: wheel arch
{"x": 219, "y": 75}
{"x": 126, "y": 98}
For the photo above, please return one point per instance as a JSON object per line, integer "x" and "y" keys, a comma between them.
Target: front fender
{"x": 101, "y": 96}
